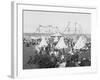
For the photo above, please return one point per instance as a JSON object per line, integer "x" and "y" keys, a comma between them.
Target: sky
{"x": 32, "y": 20}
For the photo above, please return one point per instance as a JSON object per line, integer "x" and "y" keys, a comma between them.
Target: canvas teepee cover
{"x": 80, "y": 43}
{"x": 61, "y": 44}
{"x": 43, "y": 42}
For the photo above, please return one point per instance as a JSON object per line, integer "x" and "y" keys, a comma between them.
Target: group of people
{"x": 48, "y": 56}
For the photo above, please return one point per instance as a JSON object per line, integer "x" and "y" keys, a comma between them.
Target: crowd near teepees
{"x": 58, "y": 49}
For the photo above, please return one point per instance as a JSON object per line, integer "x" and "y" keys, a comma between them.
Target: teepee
{"x": 80, "y": 43}
{"x": 43, "y": 42}
{"x": 61, "y": 44}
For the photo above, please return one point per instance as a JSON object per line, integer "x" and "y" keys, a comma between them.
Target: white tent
{"x": 33, "y": 37}
{"x": 55, "y": 39}
{"x": 75, "y": 38}
{"x": 43, "y": 42}
{"x": 80, "y": 43}
{"x": 61, "y": 44}
{"x": 56, "y": 34}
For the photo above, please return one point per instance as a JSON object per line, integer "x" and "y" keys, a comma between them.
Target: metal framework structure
{"x": 47, "y": 29}
{"x": 53, "y": 29}
{"x": 76, "y": 26}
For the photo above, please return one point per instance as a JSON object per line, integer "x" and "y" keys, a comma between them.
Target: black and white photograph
{"x": 56, "y": 39}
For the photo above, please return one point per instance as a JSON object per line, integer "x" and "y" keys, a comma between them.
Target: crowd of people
{"x": 64, "y": 52}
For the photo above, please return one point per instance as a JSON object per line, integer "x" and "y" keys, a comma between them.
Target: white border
{"x": 17, "y": 67}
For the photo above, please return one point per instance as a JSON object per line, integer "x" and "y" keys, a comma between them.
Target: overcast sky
{"x": 32, "y": 20}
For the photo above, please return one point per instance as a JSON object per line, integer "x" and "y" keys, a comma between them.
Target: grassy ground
{"x": 27, "y": 52}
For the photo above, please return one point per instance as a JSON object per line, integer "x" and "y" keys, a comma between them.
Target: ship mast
{"x": 67, "y": 28}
